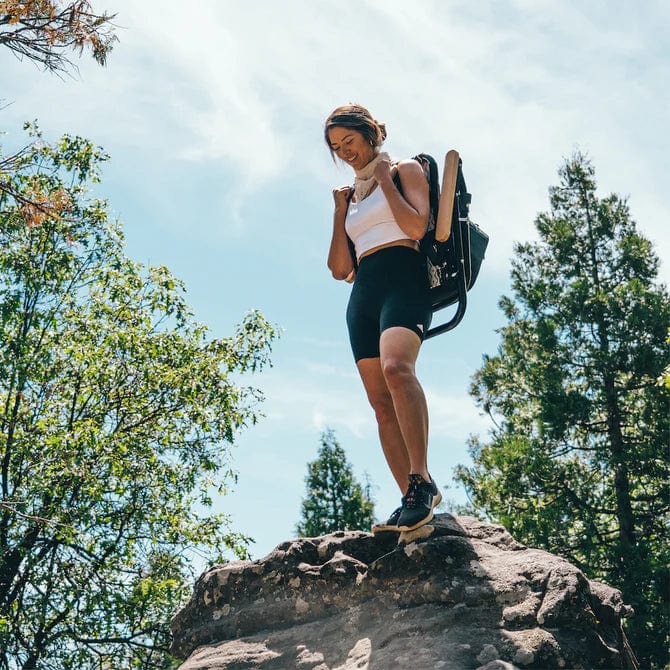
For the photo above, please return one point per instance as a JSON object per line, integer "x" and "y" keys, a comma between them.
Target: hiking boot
{"x": 391, "y": 524}
{"x": 437, "y": 495}
{"x": 418, "y": 503}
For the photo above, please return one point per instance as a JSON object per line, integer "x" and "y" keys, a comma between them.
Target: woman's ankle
{"x": 425, "y": 475}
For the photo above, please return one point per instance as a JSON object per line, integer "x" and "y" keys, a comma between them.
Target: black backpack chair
{"x": 453, "y": 245}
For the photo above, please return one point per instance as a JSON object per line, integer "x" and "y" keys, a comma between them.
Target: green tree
{"x": 116, "y": 412}
{"x": 577, "y": 461}
{"x": 334, "y": 500}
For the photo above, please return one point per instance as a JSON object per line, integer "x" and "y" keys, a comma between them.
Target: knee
{"x": 397, "y": 372}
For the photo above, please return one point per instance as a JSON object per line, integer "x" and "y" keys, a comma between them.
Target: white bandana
{"x": 365, "y": 182}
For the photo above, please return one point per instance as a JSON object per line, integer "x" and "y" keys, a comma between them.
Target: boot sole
{"x": 385, "y": 529}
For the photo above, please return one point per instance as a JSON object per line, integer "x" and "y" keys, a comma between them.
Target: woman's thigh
{"x": 398, "y": 349}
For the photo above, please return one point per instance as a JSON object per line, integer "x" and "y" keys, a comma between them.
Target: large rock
{"x": 467, "y": 596}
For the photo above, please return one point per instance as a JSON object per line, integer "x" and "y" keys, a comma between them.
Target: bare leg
{"x": 390, "y": 436}
{"x": 399, "y": 348}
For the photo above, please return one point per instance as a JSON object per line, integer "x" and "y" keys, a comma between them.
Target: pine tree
{"x": 577, "y": 461}
{"x": 334, "y": 499}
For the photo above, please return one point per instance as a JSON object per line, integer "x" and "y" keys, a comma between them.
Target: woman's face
{"x": 350, "y": 146}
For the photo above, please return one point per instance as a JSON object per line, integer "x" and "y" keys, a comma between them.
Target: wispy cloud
{"x": 454, "y": 416}
{"x": 318, "y": 396}
{"x": 322, "y": 395}
{"x": 514, "y": 88}
{"x": 242, "y": 91}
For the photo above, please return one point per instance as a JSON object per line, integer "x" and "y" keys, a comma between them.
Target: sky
{"x": 213, "y": 113}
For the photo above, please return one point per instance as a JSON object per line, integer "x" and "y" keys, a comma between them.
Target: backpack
{"x": 452, "y": 265}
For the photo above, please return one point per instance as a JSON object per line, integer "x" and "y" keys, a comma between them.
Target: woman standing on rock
{"x": 376, "y": 229}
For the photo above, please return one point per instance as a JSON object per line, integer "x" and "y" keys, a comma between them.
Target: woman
{"x": 389, "y": 309}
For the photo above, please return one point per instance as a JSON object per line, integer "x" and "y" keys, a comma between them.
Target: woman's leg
{"x": 399, "y": 348}
{"x": 390, "y": 435}
{"x": 402, "y": 417}
{"x": 399, "y": 403}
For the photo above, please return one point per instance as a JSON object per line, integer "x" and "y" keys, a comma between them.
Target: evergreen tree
{"x": 664, "y": 379}
{"x": 577, "y": 461}
{"x": 334, "y": 500}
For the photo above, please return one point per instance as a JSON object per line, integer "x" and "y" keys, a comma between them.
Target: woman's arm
{"x": 412, "y": 207}
{"x": 340, "y": 262}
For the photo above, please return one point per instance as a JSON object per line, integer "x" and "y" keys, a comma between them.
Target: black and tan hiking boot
{"x": 418, "y": 503}
{"x": 391, "y": 524}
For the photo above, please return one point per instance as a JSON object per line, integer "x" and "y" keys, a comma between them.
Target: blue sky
{"x": 213, "y": 118}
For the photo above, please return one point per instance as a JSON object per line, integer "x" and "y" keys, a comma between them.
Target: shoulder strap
{"x": 352, "y": 248}
{"x": 430, "y": 170}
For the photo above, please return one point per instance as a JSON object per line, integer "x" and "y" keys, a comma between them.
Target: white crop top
{"x": 370, "y": 223}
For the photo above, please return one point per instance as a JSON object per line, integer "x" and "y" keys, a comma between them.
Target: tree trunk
{"x": 625, "y": 515}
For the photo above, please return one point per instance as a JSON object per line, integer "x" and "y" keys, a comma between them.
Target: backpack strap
{"x": 352, "y": 247}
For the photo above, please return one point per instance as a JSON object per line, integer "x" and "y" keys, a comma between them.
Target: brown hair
{"x": 357, "y": 118}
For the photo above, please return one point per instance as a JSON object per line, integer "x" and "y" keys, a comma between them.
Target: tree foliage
{"x": 116, "y": 412}
{"x": 577, "y": 462}
{"x": 45, "y": 30}
{"x": 334, "y": 499}
{"x": 664, "y": 379}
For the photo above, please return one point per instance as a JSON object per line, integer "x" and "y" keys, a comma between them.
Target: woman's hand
{"x": 341, "y": 196}
{"x": 411, "y": 204}
{"x": 384, "y": 171}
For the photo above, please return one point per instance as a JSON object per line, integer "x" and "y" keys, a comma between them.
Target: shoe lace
{"x": 410, "y": 499}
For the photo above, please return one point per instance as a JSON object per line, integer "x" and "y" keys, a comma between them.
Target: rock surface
{"x": 466, "y": 596}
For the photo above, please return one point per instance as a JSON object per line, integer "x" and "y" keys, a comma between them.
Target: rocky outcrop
{"x": 466, "y": 596}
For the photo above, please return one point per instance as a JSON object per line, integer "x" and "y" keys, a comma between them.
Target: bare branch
{"x": 12, "y": 505}
{"x": 44, "y": 31}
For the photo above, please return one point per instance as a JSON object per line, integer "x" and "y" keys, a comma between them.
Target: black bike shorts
{"x": 391, "y": 289}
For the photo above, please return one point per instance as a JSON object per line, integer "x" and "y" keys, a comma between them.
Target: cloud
{"x": 309, "y": 396}
{"x": 454, "y": 415}
{"x": 241, "y": 90}
{"x": 322, "y": 395}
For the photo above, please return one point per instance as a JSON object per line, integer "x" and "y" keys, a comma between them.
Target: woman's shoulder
{"x": 409, "y": 165}
{"x": 409, "y": 169}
